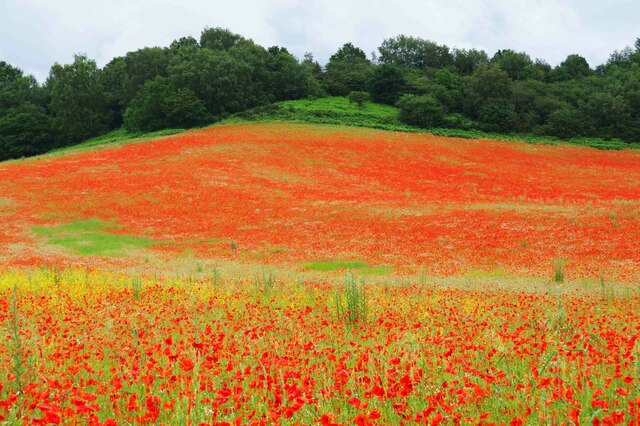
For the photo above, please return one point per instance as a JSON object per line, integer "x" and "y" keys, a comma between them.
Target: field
{"x": 294, "y": 273}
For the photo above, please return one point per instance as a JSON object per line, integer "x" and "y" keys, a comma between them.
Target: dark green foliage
{"x": 490, "y": 81}
{"x": 141, "y": 66}
{"x": 467, "y": 61}
{"x": 183, "y": 42}
{"x": 421, "y": 111}
{"x": 575, "y": 66}
{"x": 566, "y": 123}
{"x": 16, "y": 89}
{"x": 415, "y": 52}
{"x": 224, "y": 83}
{"x": 219, "y": 39}
{"x": 386, "y": 84}
{"x": 358, "y": 98}
{"x": 160, "y": 105}
{"x": 348, "y": 70}
{"x": 114, "y": 80}
{"x": 497, "y": 115}
{"x": 288, "y": 79}
{"x": 8, "y": 73}
{"x": 24, "y": 130}
{"x": 517, "y": 65}
{"x": 78, "y": 104}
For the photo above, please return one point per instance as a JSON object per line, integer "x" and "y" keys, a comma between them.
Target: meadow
{"x": 295, "y": 274}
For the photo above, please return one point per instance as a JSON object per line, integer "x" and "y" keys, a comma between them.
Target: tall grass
{"x": 351, "y": 300}
{"x": 558, "y": 270}
{"x": 15, "y": 341}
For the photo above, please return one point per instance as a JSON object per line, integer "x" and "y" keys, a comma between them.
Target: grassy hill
{"x": 322, "y": 197}
{"x": 339, "y": 111}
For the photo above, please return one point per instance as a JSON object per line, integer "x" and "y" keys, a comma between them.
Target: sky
{"x": 34, "y": 34}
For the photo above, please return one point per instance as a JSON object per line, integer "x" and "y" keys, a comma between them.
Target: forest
{"x": 194, "y": 83}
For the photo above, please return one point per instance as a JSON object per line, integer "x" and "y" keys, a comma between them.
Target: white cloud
{"x": 36, "y": 33}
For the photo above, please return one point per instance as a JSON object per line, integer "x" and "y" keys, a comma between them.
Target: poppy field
{"x": 298, "y": 274}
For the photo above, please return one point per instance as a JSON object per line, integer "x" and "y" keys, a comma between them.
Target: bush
{"x": 358, "y": 98}
{"x": 351, "y": 300}
{"x": 422, "y": 111}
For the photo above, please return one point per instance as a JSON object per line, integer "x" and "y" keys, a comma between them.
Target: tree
{"x": 25, "y": 130}
{"x": 160, "y": 105}
{"x": 143, "y": 65}
{"x": 467, "y": 61}
{"x": 447, "y": 88}
{"x": 497, "y": 115}
{"x": 223, "y": 83}
{"x": 182, "y": 42}
{"x": 607, "y": 114}
{"x": 8, "y": 73}
{"x": 78, "y": 102}
{"x": 348, "y": 70}
{"x": 518, "y": 65}
{"x": 422, "y": 111}
{"x": 574, "y": 67}
{"x": 114, "y": 79}
{"x": 315, "y": 76}
{"x": 14, "y": 92}
{"x": 289, "y": 79}
{"x": 414, "y": 52}
{"x": 386, "y": 84}
{"x": 219, "y": 39}
{"x": 490, "y": 81}
{"x": 566, "y": 123}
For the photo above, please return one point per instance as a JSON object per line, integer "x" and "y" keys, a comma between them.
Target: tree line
{"x": 196, "y": 82}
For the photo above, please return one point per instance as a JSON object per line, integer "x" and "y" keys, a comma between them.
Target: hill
{"x": 322, "y": 197}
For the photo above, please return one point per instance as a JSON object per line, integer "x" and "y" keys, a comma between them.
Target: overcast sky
{"x": 36, "y": 33}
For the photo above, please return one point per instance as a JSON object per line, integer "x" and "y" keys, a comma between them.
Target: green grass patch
{"x": 117, "y": 137}
{"x": 91, "y": 237}
{"x": 335, "y": 265}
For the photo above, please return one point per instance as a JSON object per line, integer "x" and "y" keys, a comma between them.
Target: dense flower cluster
{"x": 286, "y": 194}
{"x": 92, "y": 348}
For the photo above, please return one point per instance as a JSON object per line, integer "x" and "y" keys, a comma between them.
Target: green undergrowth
{"x": 339, "y": 111}
{"x": 356, "y": 265}
{"x": 91, "y": 237}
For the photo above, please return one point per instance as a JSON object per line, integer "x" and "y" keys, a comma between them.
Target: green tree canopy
{"x": 78, "y": 102}
{"x": 159, "y": 105}
{"x": 348, "y": 70}
{"x": 422, "y": 111}
{"x": 219, "y": 39}
{"x": 414, "y": 52}
{"x": 24, "y": 130}
{"x": 386, "y": 84}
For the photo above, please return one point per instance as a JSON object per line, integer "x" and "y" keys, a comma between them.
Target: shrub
{"x": 422, "y": 111}
{"x": 351, "y": 300}
{"x": 358, "y": 98}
